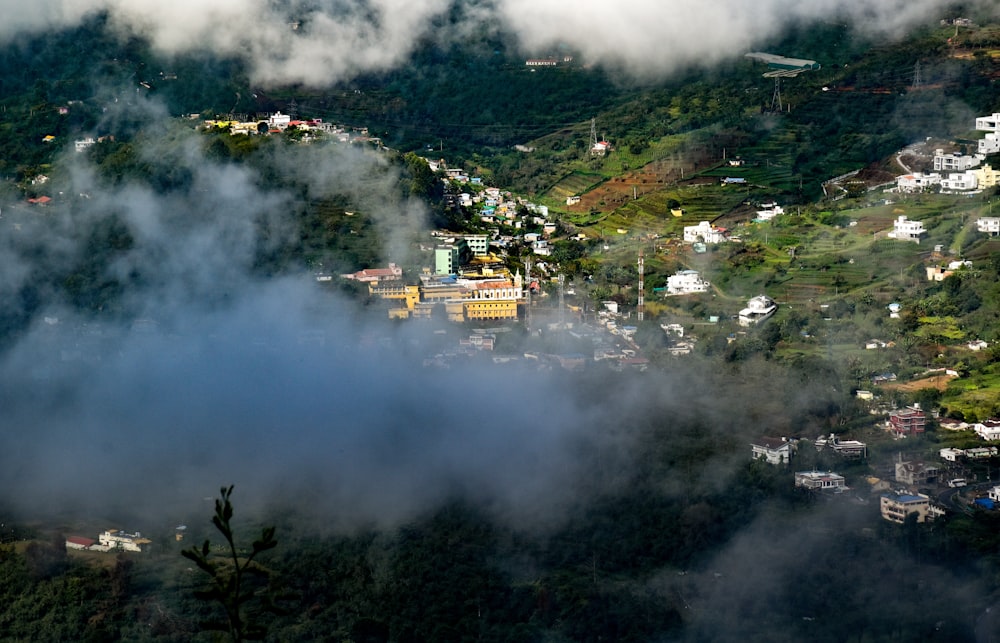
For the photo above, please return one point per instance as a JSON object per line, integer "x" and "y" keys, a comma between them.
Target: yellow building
{"x": 986, "y": 177}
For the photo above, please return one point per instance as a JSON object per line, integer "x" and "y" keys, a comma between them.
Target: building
{"x": 988, "y": 430}
{"x": 704, "y": 232}
{"x": 758, "y": 309}
{"x": 960, "y": 182}
{"x": 990, "y": 144}
{"x": 117, "y": 539}
{"x": 895, "y": 507}
{"x": 953, "y": 162}
{"x": 995, "y": 494}
{"x": 79, "y": 542}
{"x": 850, "y": 449}
{"x": 772, "y": 450}
{"x": 917, "y": 181}
{"x": 908, "y": 421}
{"x": 479, "y": 244}
{"x": 685, "y": 282}
{"x": 988, "y": 123}
{"x": 376, "y": 275}
{"x": 903, "y": 228}
{"x": 916, "y": 473}
{"x": 820, "y": 481}
{"x": 989, "y": 225}
{"x": 768, "y": 211}
{"x": 450, "y": 257}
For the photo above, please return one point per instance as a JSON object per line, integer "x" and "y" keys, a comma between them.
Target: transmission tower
{"x": 593, "y": 135}
{"x": 527, "y": 291}
{"x": 562, "y": 304}
{"x": 776, "y": 98}
{"x": 918, "y": 79}
{"x": 642, "y": 289}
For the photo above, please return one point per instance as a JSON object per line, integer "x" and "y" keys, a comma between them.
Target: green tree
{"x": 228, "y": 578}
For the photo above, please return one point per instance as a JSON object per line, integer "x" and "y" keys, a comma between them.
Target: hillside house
{"x": 768, "y": 211}
{"x": 916, "y": 473}
{"x": 117, "y": 539}
{"x": 704, "y": 232}
{"x": 917, "y": 182}
{"x": 988, "y": 430}
{"x": 907, "y": 229}
{"x": 895, "y": 507}
{"x": 685, "y": 282}
{"x": 820, "y": 481}
{"x": 79, "y": 542}
{"x": 960, "y": 182}
{"x": 758, "y": 309}
{"x": 953, "y": 162}
{"x": 907, "y": 421}
{"x": 376, "y": 275}
{"x": 989, "y": 225}
{"x": 849, "y": 449}
{"x": 772, "y": 450}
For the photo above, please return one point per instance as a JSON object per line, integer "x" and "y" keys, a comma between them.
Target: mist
{"x": 319, "y": 43}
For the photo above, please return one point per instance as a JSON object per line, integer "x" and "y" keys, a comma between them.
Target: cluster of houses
{"x": 110, "y": 540}
{"x": 960, "y": 173}
{"x": 278, "y": 123}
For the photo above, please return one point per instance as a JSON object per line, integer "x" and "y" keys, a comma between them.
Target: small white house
{"x": 960, "y": 182}
{"x": 772, "y": 450}
{"x": 907, "y": 229}
{"x": 989, "y": 225}
{"x": 704, "y": 232}
{"x": 917, "y": 181}
{"x": 685, "y": 282}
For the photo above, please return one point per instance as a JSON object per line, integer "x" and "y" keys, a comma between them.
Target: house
{"x": 960, "y": 182}
{"x": 907, "y": 421}
{"x": 572, "y": 200}
{"x": 768, "y": 211}
{"x": 117, "y": 539}
{"x": 903, "y": 228}
{"x": 79, "y": 542}
{"x": 864, "y": 395}
{"x": 988, "y": 430}
{"x": 951, "y": 455}
{"x": 850, "y": 449}
{"x": 883, "y": 378}
{"x": 81, "y": 145}
{"x": 953, "y": 162}
{"x": 772, "y": 450}
{"x": 916, "y": 473}
{"x": 685, "y": 282}
{"x": 758, "y": 309}
{"x": 895, "y": 507}
{"x": 820, "y": 481}
{"x": 376, "y": 275}
{"x": 977, "y": 345}
{"x": 995, "y": 494}
{"x": 989, "y": 225}
{"x": 704, "y": 232}
{"x": 917, "y": 181}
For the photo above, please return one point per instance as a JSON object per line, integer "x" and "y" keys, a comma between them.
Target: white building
{"x": 758, "y": 309}
{"x": 768, "y": 211}
{"x": 704, "y": 232}
{"x": 821, "y": 481}
{"x": 772, "y": 450}
{"x": 995, "y": 494}
{"x": 960, "y": 182}
{"x": 116, "y": 539}
{"x": 917, "y": 181}
{"x": 988, "y": 430}
{"x": 990, "y": 144}
{"x": 82, "y": 144}
{"x": 988, "y": 123}
{"x": 907, "y": 229}
{"x": 953, "y": 162}
{"x": 685, "y": 282}
{"x": 278, "y": 120}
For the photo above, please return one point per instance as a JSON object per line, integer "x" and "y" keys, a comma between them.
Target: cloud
{"x": 335, "y": 40}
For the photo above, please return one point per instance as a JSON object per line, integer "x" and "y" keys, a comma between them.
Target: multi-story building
{"x": 916, "y": 474}
{"x": 989, "y": 225}
{"x": 895, "y": 507}
{"x": 903, "y": 228}
{"x": 917, "y": 181}
{"x": 685, "y": 282}
{"x": 704, "y": 232}
{"x": 953, "y": 162}
{"x": 450, "y": 257}
{"x": 907, "y": 421}
{"x": 117, "y": 539}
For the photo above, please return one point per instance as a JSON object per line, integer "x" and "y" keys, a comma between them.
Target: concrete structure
{"x": 768, "y": 211}
{"x": 772, "y": 450}
{"x": 989, "y": 225}
{"x": 994, "y": 494}
{"x": 376, "y": 275}
{"x": 990, "y": 144}
{"x": 704, "y": 232}
{"x": 917, "y": 181}
{"x": 988, "y": 430}
{"x": 916, "y": 473}
{"x": 895, "y": 507}
{"x": 989, "y": 123}
{"x": 479, "y": 244}
{"x": 953, "y": 162}
{"x": 850, "y": 449}
{"x": 685, "y": 282}
{"x": 820, "y": 481}
{"x": 963, "y": 182}
{"x": 758, "y": 309}
{"x": 449, "y": 258}
{"x": 79, "y": 542}
{"x": 117, "y": 539}
{"x": 906, "y": 229}
{"x": 907, "y": 421}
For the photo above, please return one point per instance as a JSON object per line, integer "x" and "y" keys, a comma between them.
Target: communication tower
{"x": 641, "y": 309}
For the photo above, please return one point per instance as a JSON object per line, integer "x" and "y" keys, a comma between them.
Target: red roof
{"x": 80, "y": 540}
